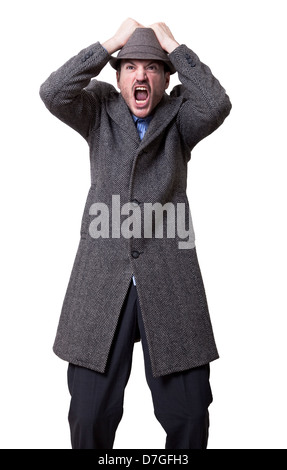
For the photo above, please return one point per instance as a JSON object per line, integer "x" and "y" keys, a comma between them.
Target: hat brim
{"x": 114, "y": 61}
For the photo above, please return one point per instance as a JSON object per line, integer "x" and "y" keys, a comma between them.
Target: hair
{"x": 166, "y": 67}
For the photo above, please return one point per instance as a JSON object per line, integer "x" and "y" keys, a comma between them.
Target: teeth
{"x": 141, "y": 88}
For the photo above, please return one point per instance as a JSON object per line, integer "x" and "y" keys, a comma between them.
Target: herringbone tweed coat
{"x": 169, "y": 282}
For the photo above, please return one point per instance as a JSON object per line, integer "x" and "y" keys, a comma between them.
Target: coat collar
{"x": 165, "y": 111}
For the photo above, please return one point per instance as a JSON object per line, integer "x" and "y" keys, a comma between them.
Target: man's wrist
{"x": 171, "y": 46}
{"x": 111, "y": 46}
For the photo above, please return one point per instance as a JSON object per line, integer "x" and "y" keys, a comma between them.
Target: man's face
{"x": 142, "y": 84}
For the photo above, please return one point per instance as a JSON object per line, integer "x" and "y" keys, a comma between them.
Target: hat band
{"x": 142, "y": 49}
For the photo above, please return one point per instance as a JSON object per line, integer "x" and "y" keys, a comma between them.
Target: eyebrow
{"x": 147, "y": 65}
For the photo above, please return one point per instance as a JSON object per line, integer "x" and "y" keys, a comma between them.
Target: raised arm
{"x": 205, "y": 102}
{"x": 64, "y": 92}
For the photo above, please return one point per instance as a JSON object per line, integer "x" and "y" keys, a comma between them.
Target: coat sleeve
{"x": 64, "y": 92}
{"x": 205, "y": 102}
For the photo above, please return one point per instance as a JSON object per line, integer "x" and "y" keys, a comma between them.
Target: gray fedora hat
{"x": 143, "y": 44}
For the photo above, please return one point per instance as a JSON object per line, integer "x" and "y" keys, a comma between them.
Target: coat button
{"x": 135, "y": 254}
{"x": 191, "y": 62}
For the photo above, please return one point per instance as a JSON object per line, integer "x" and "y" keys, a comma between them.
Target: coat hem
{"x": 160, "y": 373}
{"x": 79, "y": 363}
{"x": 170, "y": 371}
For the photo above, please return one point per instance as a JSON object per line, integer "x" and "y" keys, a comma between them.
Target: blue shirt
{"x": 142, "y": 124}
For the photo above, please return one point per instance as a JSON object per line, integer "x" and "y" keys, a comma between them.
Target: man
{"x": 137, "y": 277}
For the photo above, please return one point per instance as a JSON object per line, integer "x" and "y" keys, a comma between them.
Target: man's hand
{"x": 122, "y": 35}
{"x": 165, "y": 37}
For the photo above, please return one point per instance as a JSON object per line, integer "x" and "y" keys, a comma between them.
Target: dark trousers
{"x": 180, "y": 399}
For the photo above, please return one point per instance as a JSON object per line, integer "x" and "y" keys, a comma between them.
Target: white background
{"x": 237, "y": 191}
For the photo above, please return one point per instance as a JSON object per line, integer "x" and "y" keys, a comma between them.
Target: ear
{"x": 118, "y": 79}
{"x": 167, "y": 79}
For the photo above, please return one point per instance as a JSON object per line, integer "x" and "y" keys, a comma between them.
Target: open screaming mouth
{"x": 141, "y": 94}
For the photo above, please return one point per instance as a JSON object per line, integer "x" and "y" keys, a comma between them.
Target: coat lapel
{"x": 119, "y": 112}
{"x": 164, "y": 114}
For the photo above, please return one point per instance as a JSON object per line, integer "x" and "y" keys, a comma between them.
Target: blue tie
{"x": 142, "y": 125}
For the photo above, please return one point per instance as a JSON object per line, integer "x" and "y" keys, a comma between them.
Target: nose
{"x": 141, "y": 74}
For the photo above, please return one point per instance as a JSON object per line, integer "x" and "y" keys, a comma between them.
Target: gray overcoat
{"x": 126, "y": 170}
